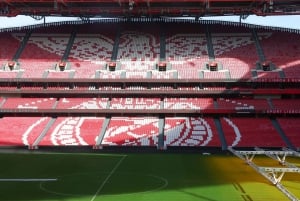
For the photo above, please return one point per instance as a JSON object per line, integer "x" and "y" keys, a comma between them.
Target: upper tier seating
{"x": 236, "y": 52}
{"x": 133, "y": 131}
{"x": 187, "y": 53}
{"x": 136, "y": 45}
{"x": 41, "y": 53}
{"x": 250, "y": 132}
{"x": 89, "y": 53}
{"x": 283, "y": 50}
{"x": 8, "y": 47}
{"x": 191, "y": 132}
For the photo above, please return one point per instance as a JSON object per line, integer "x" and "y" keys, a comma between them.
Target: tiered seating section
{"x": 131, "y": 132}
{"x": 76, "y": 130}
{"x": 236, "y": 52}
{"x": 42, "y": 53}
{"x": 8, "y": 48}
{"x": 135, "y": 45}
{"x": 138, "y": 51}
{"x": 186, "y": 51}
{"x": 73, "y": 131}
{"x": 291, "y": 128}
{"x": 191, "y": 132}
{"x": 286, "y": 104}
{"x": 21, "y": 131}
{"x": 251, "y": 132}
{"x": 9, "y": 45}
{"x": 89, "y": 53}
{"x": 282, "y": 49}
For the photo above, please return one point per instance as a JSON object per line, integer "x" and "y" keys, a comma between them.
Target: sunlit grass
{"x": 136, "y": 177}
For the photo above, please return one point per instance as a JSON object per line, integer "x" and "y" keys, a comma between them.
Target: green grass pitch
{"x": 134, "y": 177}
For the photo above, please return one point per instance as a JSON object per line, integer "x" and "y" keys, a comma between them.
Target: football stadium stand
{"x": 251, "y": 132}
{"x": 191, "y": 132}
{"x": 153, "y": 76}
{"x": 203, "y": 85}
{"x": 290, "y": 127}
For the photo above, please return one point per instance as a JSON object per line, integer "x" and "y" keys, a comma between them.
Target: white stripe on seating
{"x": 27, "y": 180}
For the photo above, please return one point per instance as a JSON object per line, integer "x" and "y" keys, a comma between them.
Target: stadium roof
{"x": 269, "y": 21}
{"x": 128, "y": 8}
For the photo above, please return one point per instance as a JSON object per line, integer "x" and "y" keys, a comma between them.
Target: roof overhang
{"x": 151, "y": 8}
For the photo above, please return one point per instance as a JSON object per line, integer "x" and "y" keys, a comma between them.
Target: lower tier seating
{"x": 21, "y": 131}
{"x": 134, "y": 131}
{"x": 131, "y": 132}
{"x": 291, "y": 128}
{"x": 73, "y": 131}
{"x": 191, "y": 132}
{"x": 251, "y": 132}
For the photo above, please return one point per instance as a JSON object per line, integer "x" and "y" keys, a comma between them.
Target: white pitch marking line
{"x": 26, "y": 180}
{"x": 108, "y": 177}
